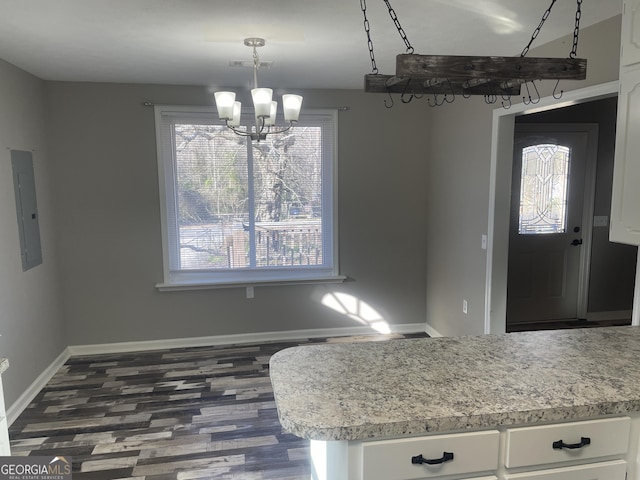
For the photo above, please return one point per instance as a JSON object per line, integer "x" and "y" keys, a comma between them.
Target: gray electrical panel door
{"x": 24, "y": 185}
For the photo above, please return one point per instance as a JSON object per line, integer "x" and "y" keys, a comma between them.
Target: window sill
{"x": 178, "y": 286}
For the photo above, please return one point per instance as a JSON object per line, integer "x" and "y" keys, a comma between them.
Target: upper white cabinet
{"x": 625, "y": 203}
{"x": 630, "y": 33}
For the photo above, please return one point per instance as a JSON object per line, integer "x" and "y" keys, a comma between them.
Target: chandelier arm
{"x": 538, "y": 28}
{"x": 281, "y": 129}
{"x": 242, "y": 133}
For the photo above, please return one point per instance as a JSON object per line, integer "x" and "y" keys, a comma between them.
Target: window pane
{"x": 215, "y": 205}
{"x": 287, "y": 173}
{"x": 237, "y": 211}
{"x": 212, "y": 191}
{"x": 543, "y": 189}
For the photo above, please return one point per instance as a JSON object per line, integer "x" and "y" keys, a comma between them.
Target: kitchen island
{"x": 361, "y": 403}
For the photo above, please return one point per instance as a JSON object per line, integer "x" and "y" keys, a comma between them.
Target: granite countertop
{"x": 4, "y": 364}
{"x": 407, "y": 387}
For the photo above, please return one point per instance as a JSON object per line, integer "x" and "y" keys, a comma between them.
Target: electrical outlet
{"x": 465, "y": 306}
{"x": 250, "y": 292}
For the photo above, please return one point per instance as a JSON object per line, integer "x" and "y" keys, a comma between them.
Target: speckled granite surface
{"x": 407, "y": 387}
{"x": 4, "y": 364}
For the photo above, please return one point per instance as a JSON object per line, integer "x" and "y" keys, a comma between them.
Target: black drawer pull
{"x": 419, "y": 459}
{"x": 583, "y": 442}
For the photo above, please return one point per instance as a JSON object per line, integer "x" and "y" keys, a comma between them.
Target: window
{"x": 241, "y": 212}
{"x": 543, "y": 189}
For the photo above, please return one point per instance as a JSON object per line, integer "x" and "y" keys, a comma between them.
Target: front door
{"x": 546, "y": 227}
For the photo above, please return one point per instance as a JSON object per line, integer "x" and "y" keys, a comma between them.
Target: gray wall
{"x": 458, "y": 185}
{"x": 106, "y": 190}
{"x": 613, "y": 265}
{"x": 31, "y": 324}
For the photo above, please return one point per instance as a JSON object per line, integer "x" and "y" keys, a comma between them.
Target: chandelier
{"x": 440, "y": 78}
{"x": 265, "y": 108}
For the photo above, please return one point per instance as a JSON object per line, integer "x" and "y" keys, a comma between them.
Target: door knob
{"x": 576, "y": 242}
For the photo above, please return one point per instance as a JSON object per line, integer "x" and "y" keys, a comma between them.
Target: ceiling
{"x": 312, "y": 43}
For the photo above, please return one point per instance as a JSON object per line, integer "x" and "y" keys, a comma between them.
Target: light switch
{"x": 601, "y": 221}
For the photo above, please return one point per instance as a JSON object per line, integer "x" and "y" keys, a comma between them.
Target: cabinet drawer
{"x": 596, "y": 471}
{"x": 581, "y": 440}
{"x": 492, "y": 477}
{"x": 392, "y": 459}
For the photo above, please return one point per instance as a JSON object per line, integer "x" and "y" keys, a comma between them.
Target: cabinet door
{"x": 538, "y": 445}
{"x": 625, "y": 202}
{"x": 457, "y": 454}
{"x": 599, "y": 471}
{"x": 630, "y": 33}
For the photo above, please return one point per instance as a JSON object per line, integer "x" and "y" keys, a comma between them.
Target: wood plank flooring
{"x": 188, "y": 414}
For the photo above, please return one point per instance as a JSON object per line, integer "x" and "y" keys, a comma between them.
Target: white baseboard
{"x": 432, "y": 332}
{"x": 30, "y": 393}
{"x": 75, "y": 350}
{"x": 122, "y": 347}
{"x": 260, "y": 337}
{"x": 613, "y": 315}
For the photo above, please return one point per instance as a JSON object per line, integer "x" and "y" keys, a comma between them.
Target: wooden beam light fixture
{"x": 441, "y": 77}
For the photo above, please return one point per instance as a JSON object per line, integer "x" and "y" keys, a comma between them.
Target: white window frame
{"x": 220, "y": 278}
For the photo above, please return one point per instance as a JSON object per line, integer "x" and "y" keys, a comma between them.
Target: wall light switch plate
{"x": 600, "y": 221}
{"x": 465, "y": 307}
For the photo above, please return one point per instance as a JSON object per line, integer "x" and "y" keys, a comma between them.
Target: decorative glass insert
{"x": 543, "y": 189}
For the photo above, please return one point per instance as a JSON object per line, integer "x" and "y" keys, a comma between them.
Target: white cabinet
{"x": 431, "y": 457}
{"x": 625, "y": 204}
{"x": 582, "y": 445}
{"x": 566, "y": 442}
{"x": 616, "y": 470}
{"x": 630, "y": 44}
{"x": 580, "y": 450}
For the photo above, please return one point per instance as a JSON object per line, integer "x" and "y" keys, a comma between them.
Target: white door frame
{"x": 586, "y": 223}
{"x": 500, "y": 199}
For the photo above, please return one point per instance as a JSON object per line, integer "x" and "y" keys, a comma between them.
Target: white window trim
{"x": 199, "y": 280}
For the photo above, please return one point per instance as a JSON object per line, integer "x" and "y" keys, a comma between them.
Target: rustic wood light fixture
{"x": 441, "y": 77}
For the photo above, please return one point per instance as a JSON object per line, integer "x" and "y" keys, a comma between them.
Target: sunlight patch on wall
{"x": 357, "y": 310}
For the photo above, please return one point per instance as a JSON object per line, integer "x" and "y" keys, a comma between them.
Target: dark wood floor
{"x": 189, "y": 414}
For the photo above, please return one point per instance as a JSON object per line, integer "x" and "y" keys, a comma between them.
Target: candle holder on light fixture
{"x": 265, "y": 108}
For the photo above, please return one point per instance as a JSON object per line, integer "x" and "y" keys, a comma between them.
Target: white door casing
{"x": 548, "y": 272}
{"x": 499, "y": 197}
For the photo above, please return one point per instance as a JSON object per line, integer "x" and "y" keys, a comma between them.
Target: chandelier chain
{"x": 538, "y": 28}
{"x": 403, "y": 35}
{"x": 576, "y": 31}
{"x": 367, "y": 29}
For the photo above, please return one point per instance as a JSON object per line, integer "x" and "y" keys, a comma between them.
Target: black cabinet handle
{"x": 419, "y": 459}
{"x": 583, "y": 442}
